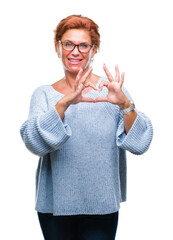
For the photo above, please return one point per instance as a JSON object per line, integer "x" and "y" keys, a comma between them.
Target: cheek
{"x": 65, "y": 55}
{"x": 85, "y": 56}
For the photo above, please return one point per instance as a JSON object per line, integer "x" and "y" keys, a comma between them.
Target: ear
{"x": 58, "y": 49}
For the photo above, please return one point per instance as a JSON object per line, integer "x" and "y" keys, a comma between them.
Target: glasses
{"x": 70, "y": 46}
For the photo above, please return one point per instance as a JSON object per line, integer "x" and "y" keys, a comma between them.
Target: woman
{"x": 81, "y": 126}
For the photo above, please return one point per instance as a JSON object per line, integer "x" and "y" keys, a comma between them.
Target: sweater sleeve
{"x": 140, "y": 135}
{"x": 44, "y": 131}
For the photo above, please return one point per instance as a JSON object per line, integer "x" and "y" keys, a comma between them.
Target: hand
{"x": 80, "y": 84}
{"x": 115, "y": 93}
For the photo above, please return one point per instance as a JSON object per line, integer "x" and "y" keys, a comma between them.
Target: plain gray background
{"x": 136, "y": 35}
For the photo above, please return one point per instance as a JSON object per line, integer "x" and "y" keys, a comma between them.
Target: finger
{"x": 101, "y": 99}
{"x": 89, "y": 84}
{"x": 117, "y": 73}
{"x": 102, "y": 84}
{"x": 108, "y": 74}
{"x": 86, "y": 99}
{"x": 86, "y": 75}
{"x": 122, "y": 79}
{"x": 78, "y": 77}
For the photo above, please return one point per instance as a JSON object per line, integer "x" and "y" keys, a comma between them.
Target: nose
{"x": 75, "y": 51}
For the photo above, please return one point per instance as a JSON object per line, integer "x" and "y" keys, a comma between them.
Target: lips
{"x": 74, "y": 61}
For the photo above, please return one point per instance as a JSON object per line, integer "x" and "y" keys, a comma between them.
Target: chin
{"x": 74, "y": 69}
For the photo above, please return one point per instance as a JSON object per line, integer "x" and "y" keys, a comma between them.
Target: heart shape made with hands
{"x": 114, "y": 86}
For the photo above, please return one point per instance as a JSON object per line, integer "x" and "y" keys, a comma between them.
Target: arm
{"x": 139, "y": 137}
{"x": 135, "y": 129}
{"x": 44, "y": 131}
{"x": 128, "y": 118}
{"x": 116, "y": 96}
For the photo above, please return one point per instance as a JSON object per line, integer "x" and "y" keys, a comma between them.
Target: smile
{"x": 74, "y": 61}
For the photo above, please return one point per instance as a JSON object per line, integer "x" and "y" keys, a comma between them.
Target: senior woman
{"x": 81, "y": 127}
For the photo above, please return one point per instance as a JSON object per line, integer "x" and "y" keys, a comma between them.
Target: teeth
{"x": 75, "y": 60}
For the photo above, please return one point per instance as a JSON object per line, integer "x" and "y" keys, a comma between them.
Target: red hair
{"x": 77, "y": 22}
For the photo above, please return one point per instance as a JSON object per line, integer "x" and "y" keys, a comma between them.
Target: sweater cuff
{"x": 51, "y": 122}
{"x": 138, "y": 138}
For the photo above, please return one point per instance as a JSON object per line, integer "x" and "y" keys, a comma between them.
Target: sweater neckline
{"x": 100, "y": 79}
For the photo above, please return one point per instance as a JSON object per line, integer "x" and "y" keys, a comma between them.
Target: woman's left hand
{"x": 115, "y": 93}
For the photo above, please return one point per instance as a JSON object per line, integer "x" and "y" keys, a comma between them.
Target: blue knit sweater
{"x": 82, "y": 164}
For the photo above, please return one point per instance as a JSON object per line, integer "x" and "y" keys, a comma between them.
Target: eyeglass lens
{"x": 82, "y": 47}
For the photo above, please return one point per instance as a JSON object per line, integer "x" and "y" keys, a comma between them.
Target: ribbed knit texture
{"x": 82, "y": 164}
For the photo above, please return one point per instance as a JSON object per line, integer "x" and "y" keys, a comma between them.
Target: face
{"x": 74, "y": 60}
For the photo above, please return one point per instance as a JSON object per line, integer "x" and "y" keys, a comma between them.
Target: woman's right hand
{"x": 75, "y": 96}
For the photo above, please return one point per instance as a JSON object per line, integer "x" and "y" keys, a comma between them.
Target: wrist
{"x": 126, "y": 104}
{"x": 128, "y": 108}
{"x": 63, "y": 104}
{"x": 61, "y": 107}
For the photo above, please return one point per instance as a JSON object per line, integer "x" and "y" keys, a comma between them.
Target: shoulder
{"x": 40, "y": 93}
{"x": 42, "y": 90}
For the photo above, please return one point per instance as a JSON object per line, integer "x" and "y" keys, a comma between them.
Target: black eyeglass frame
{"x": 76, "y": 45}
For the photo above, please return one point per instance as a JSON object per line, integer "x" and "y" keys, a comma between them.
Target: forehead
{"x": 76, "y": 36}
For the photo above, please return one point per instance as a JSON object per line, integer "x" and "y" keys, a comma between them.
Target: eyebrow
{"x": 77, "y": 44}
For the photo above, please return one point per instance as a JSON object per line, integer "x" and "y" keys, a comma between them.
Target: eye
{"x": 68, "y": 44}
{"x": 84, "y": 45}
